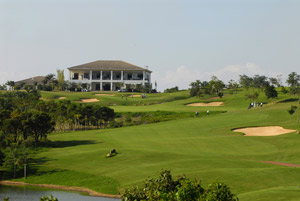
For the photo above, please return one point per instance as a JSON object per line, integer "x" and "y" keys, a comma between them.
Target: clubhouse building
{"x": 108, "y": 75}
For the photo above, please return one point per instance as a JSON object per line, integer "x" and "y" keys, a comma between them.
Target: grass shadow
{"x": 289, "y": 100}
{"x": 70, "y": 143}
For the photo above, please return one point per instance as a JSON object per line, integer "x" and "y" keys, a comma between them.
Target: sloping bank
{"x": 68, "y": 188}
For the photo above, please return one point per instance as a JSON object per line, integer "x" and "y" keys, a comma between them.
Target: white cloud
{"x": 233, "y": 71}
{"x": 181, "y": 77}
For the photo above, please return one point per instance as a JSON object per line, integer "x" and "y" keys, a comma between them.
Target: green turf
{"x": 203, "y": 148}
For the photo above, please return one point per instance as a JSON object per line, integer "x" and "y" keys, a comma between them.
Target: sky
{"x": 179, "y": 40}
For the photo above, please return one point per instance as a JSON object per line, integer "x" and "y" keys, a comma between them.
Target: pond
{"x": 30, "y": 193}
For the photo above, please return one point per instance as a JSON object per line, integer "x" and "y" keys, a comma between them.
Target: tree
{"x": 3, "y": 87}
{"x": 220, "y": 94}
{"x": 11, "y": 84}
{"x": 252, "y": 96}
{"x": 166, "y": 188}
{"x": 13, "y": 157}
{"x": 195, "y": 88}
{"x": 39, "y": 124}
{"x": 283, "y": 90}
{"x": 293, "y": 79}
{"x": 273, "y": 81}
{"x": 271, "y": 92}
{"x": 245, "y": 81}
{"x": 292, "y": 110}
{"x": 259, "y": 82}
{"x": 61, "y": 79}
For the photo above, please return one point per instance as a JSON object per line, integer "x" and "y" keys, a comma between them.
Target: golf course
{"x": 203, "y": 147}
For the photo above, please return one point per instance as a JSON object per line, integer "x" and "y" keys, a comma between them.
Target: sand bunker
{"x": 134, "y": 96}
{"x": 60, "y": 98}
{"x": 104, "y": 95}
{"x": 90, "y": 100}
{"x": 206, "y": 104}
{"x": 264, "y": 131}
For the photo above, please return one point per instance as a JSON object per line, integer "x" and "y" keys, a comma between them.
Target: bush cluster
{"x": 165, "y": 188}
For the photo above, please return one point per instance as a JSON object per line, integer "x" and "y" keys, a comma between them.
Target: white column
{"x": 100, "y": 75}
{"x": 101, "y": 89}
{"x": 122, "y": 76}
{"x": 111, "y": 85}
{"x": 91, "y": 74}
{"x": 111, "y": 75}
{"x": 144, "y": 75}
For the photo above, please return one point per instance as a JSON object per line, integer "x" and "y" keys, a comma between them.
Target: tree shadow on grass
{"x": 70, "y": 143}
{"x": 289, "y": 100}
{"x": 32, "y": 169}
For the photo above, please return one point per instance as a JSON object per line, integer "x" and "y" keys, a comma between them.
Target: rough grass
{"x": 203, "y": 148}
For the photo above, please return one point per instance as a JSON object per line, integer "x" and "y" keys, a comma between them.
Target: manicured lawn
{"x": 203, "y": 148}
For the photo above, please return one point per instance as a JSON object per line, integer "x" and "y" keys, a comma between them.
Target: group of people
{"x": 255, "y": 105}
{"x": 197, "y": 113}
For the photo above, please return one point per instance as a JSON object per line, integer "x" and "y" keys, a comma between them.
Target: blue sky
{"x": 180, "y": 41}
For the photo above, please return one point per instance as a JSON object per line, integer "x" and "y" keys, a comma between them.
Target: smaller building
{"x": 31, "y": 81}
{"x": 108, "y": 75}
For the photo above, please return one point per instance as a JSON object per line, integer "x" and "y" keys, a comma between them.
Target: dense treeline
{"x": 171, "y": 90}
{"x": 258, "y": 83}
{"x": 23, "y": 115}
{"x": 214, "y": 86}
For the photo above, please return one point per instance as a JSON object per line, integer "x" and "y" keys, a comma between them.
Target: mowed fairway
{"x": 203, "y": 148}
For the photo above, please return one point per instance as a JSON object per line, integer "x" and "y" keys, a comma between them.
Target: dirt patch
{"x": 134, "y": 96}
{"x": 104, "y": 95}
{"x": 90, "y": 100}
{"x": 264, "y": 131}
{"x": 205, "y": 104}
{"x": 60, "y": 98}
{"x": 283, "y": 164}
{"x": 68, "y": 188}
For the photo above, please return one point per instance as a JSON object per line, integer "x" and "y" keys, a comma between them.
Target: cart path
{"x": 283, "y": 164}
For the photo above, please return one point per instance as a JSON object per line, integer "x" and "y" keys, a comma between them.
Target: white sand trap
{"x": 90, "y": 100}
{"x": 60, "y": 98}
{"x": 205, "y": 104}
{"x": 264, "y": 131}
{"x": 104, "y": 95}
{"x": 134, "y": 96}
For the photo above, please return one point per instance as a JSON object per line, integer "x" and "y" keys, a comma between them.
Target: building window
{"x": 116, "y": 75}
{"x": 106, "y": 75}
{"x": 75, "y": 76}
{"x": 86, "y": 76}
{"x": 96, "y": 75}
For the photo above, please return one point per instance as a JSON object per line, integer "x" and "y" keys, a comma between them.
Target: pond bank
{"x": 68, "y": 188}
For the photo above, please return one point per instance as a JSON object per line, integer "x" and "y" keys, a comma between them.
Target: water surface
{"x": 32, "y": 193}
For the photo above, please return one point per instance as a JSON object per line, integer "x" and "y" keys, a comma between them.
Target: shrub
{"x": 166, "y": 188}
{"x": 49, "y": 198}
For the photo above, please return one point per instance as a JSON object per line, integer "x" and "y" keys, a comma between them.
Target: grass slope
{"x": 203, "y": 148}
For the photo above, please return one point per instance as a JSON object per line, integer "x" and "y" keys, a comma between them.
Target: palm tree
{"x": 11, "y": 84}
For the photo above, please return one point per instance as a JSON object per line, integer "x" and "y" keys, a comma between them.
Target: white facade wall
{"x": 116, "y": 79}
